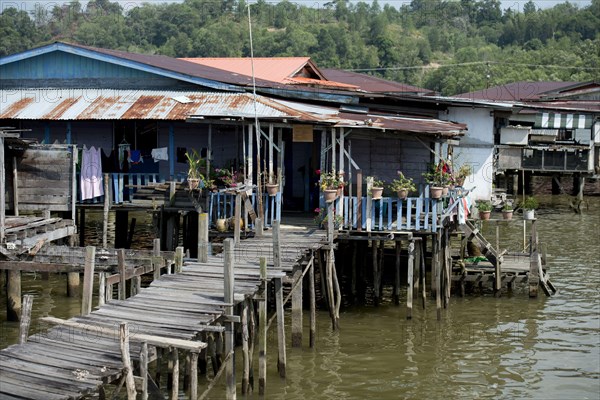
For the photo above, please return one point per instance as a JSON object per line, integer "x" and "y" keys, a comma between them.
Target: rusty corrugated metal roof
{"x": 108, "y": 104}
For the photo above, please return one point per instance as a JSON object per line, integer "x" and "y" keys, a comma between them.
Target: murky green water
{"x": 484, "y": 347}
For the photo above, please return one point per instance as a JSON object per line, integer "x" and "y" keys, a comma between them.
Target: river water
{"x": 484, "y": 347}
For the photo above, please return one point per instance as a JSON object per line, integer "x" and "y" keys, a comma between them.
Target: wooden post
{"x": 73, "y": 283}
{"x": 25, "y": 318}
{"x": 375, "y": 272}
{"x": 237, "y": 218}
{"x": 128, "y": 371}
{"x": 447, "y": 268}
{"x": 109, "y": 288}
{"x": 359, "y": 200}
{"x": 313, "y": 304}
{"x": 88, "y": 280}
{"x": 258, "y": 227}
{"x": 281, "y": 359}
{"x": 396, "y": 293}
{"x": 194, "y": 376}
{"x": 229, "y": 329}
{"x": 175, "y": 374}
{"x": 262, "y": 330}
{"x": 435, "y": 257}
{"x": 178, "y": 260}
{"x": 276, "y": 245}
{"x": 122, "y": 272}
{"x": 81, "y": 227}
{"x": 156, "y": 254}
{"x": 297, "y": 307}
{"x": 533, "y": 278}
{"x": 3, "y": 191}
{"x": 203, "y": 237}
{"x": 421, "y": 260}
{"x": 245, "y": 350}
{"x": 369, "y": 203}
{"x": 409, "y": 278}
{"x": 498, "y": 271}
{"x": 101, "y": 289}
{"x": 105, "y": 211}
{"x": 15, "y": 187}
{"x": 144, "y": 370}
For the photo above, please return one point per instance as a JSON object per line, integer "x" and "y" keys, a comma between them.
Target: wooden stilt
{"x": 88, "y": 280}
{"x": 194, "y": 376}
{"x": 122, "y": 272}
{"x": 156, "y": 256}
{"x": 313, "y": 305}
{"x": 73, "y": 284}
{"x": 375, "y": 273}
{"x": 101, "y": 289}
{"x": 534, "y": 277}
{"x": 447, "y": 269}
{"x": 229, "y": 328}
{"x": 13, "y": 295}
{"x": 202, "y": 357}
{"x": 251, "y": 341}
{"x": 498, "y": 269}
{"x": 409, "y": 290}
{"x": 435, "y": 259}
{"x": 109, "y": 288}
{"x": 422, "y": 273}
{"x": 281, "y": 359}
{"x": 262, "y": 330}
{"x": 144, "y": 370}
{"x": 297, "y": 307}
{"x": 25, "y": 318}
{"x": 396, "y": 293}
{"x": 323, "y": 278}
{"x": 178, "y": 260}
{"x": 127, "y": 369}
{"x": 203, "y": 243}
{"x": 353, "y": 276}
{"x": 186, "y": 373}
{"x": 175, "y": 374}
{"x": 245, "y": 351}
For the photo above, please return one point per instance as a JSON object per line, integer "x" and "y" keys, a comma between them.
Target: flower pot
{"x": 193, "y": 183}
{"x": 376, "y": 192}
{"x": 402, "y": 193}
{"x": 272, "y": 189}
{"x": 445, "y": 190}
{"x": 435, "y": 192}
{"x": 484, "y": 215}
{"x": 222, "y": 225}
{"x": 507, "y": 214}
{"x": 528, "y": 214}
{"x": 339, "y": 191}
{"x": 329, "y": 194}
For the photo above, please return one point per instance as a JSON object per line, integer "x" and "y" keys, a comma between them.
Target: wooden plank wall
{"x": 45, "y": 175}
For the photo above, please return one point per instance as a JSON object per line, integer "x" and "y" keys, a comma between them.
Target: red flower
{"x": 318, "y": 172}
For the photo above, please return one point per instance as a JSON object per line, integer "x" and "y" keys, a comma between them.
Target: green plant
{"x": 378, "y": 183}
{"x": 437, "y": 175}
{"x": 530, "y": 203}
{"x": 507, "y": 207}
{"x": 402, "y": 182}
{"x": 195, "y": 163}
{"x": 331, "y": 180}
{"x": 321, "y": 218}
{"x": 461, "y": 174}
{"x": 484, "y": 206}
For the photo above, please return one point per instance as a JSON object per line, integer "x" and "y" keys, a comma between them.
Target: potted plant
{"x": 507, "y": 211}
{"x": 485, "y": 209}
{"x": 438, "y": 180}
{"x": 529, "y": 205}
{"x": 402, "y": 185}
{"x": 461, "y": 174}
{"x": 272, "y": 186}
{"x": 321, "y": 218}
{"x": 377, "y": 189}
{"x": 330, "y": 183}
{"x": 195, "y": 164}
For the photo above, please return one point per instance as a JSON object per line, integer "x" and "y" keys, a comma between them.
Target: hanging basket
{"x": 329, "y": 194}
{"x": 272, "y": 189}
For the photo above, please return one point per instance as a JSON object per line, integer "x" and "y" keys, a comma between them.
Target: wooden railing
{"x": 222, "y": 206}
{"x": 122, "y": 191}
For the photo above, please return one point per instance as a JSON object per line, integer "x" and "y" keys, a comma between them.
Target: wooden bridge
{"x": 187, "y": 316}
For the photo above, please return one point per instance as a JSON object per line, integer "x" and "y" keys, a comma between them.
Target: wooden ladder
{"x": 473, "y": 234}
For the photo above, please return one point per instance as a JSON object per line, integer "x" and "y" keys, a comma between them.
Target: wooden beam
{"x": 229, "y": 281}
{"x": 25, "y": 318}
{"x": 88, "y": 280}
{"x": 127, "y": 367}
{"x": 262, "y": 329}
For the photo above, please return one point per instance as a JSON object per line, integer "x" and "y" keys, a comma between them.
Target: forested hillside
{"x": 448, "y": 46}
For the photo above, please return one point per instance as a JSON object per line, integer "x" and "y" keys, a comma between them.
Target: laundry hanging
{"x": 91, "y": 173}
{"x": 160, "y": 154}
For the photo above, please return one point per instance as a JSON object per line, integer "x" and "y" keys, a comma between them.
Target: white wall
{"x": 476, "y": 147}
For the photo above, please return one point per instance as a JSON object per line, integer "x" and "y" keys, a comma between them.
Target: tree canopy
{"x": 448, "y": 46}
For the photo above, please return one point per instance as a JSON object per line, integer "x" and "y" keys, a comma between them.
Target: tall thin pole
{"x": 256, "y": 123}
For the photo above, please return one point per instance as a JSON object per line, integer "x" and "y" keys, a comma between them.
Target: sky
{"x": 29, "y": 5}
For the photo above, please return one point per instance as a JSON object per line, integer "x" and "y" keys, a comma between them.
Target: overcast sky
{"x": 128, "y": 4}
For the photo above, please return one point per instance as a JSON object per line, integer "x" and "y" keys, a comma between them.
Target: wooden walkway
{"x": 77, "y": 357}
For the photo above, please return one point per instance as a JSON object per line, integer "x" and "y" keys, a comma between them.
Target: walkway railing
{"x": 122, "y": 185}
{"x": 222, "y": 206}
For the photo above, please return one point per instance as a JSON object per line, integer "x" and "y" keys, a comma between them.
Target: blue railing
{"x": 120, "y": 191}
{"x": 222, "y": 206}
